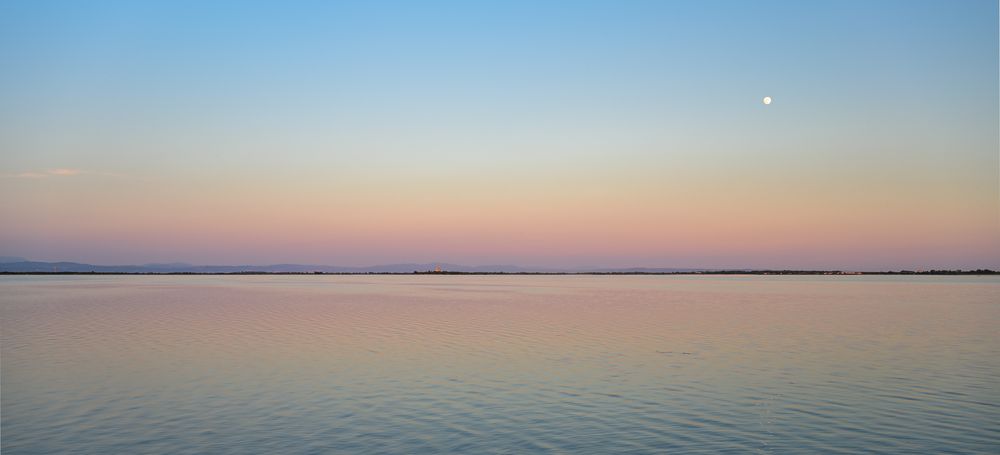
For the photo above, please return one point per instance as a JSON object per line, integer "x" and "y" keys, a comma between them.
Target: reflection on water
{"x": 500, "y": 364}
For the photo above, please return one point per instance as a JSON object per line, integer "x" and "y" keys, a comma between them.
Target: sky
{"x": 538, "y": 133}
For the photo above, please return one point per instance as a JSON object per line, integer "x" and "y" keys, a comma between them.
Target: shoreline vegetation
{"x": 446, "y": 272}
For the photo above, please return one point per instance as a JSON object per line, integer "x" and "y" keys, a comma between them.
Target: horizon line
{"x": 442, "y": 268}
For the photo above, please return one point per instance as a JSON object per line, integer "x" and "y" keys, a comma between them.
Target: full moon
{"x": 767, "y": 100}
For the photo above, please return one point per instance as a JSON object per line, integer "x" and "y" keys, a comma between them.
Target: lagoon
{"x": 500, "y": 364}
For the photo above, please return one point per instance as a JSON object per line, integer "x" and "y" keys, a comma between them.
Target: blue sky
{"x": 148, "y": 98}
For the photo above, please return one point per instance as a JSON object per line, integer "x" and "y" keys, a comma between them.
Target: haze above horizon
{"x": 552, "y": 134}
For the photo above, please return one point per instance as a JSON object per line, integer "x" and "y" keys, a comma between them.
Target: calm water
{"x": 492, "y": 364}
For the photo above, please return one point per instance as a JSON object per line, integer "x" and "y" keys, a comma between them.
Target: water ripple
{"x": 463, "y": 364}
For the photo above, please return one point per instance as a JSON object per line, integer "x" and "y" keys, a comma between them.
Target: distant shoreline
{"x": 714, "y": 272}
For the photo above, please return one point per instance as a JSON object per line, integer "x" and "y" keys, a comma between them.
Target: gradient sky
{"x": 536, "y": 133}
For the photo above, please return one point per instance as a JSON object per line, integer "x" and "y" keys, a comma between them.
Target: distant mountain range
{"x": 18, "y": 264}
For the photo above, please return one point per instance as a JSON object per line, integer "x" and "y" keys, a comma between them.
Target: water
{"x": 500, "y": 364}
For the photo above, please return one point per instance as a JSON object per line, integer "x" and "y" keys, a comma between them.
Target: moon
{"x": 767, "y": 100}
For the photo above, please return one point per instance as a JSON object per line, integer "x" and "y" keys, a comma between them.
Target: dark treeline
{"x": 445, "y": 272}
